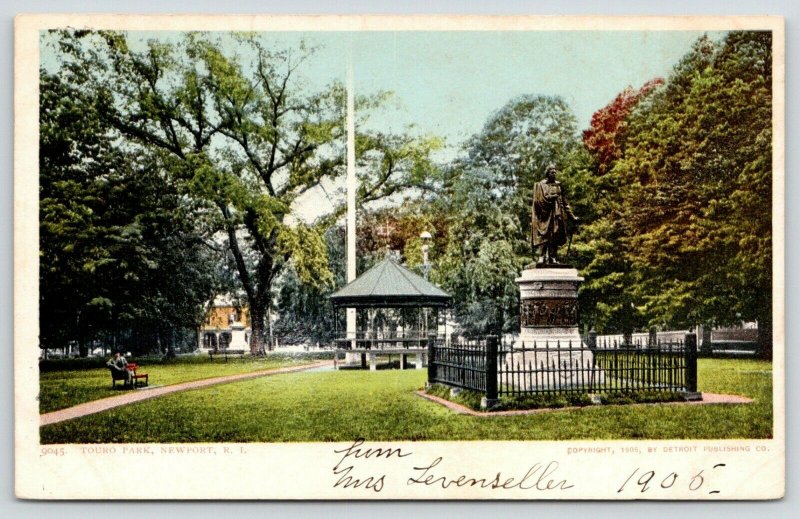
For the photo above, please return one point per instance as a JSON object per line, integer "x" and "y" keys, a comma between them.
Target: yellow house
{"x": 227, "y": 326}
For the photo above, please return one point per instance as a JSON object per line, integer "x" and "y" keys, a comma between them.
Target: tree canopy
{"x": 240, "y": 136}
{"x": 165, "y": 167}
{"x": 686, "y": 221}
{"x": 487, "y": 202}
{"x": 119, "y": 251}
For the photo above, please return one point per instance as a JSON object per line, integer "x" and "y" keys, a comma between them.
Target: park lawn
{"x": 345, "y": 405}
{"x": 60, "y": 389}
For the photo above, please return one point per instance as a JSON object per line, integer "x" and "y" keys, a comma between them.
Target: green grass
{"x": 345, "y": 405}
{"x": 60, "y": 388}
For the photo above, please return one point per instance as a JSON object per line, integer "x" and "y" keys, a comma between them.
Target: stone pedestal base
{"x": 549, "y": 353}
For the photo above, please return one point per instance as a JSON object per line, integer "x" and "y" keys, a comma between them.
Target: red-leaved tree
{"x": 604, "y": 137}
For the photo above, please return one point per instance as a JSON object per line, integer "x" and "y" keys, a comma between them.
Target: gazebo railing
{"x": 383, "y": 340}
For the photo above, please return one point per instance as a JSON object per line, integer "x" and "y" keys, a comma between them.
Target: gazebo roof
{"x": 388, "y": 284}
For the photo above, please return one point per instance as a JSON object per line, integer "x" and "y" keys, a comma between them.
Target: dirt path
{"x": 98, "y": 406}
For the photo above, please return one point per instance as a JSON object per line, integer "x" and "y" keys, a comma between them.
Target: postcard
{"x": 399, "y": 257}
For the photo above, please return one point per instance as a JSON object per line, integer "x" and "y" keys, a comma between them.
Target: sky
{"x": 449, "y": 83}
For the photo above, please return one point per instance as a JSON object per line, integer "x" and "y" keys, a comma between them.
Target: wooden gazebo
{"x": 397, "y": 313}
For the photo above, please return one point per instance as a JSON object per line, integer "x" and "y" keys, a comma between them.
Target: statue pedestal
{"x": 549, "y": 338}
{"x": 548, "y": 310}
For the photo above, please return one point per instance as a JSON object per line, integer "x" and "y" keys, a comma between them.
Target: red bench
{"x": 136, "y": 378}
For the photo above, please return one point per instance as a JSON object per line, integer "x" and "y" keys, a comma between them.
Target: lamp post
{"x": 426, "y": 237}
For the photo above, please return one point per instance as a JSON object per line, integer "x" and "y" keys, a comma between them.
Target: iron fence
{"x": 496, "y": 369}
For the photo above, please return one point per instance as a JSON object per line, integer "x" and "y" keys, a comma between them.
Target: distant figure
{"x": 548, "y": 228}
{"x": 119, "y": 365}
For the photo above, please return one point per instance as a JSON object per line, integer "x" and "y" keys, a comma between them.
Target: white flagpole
{"x": 351, "y": 190}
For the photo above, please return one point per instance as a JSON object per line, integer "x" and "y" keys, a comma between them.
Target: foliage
{"x": 487, "y": 203}
{"x": 381, "y": 406}
{"x": 644, "y": 397}
{"x": 241, "y": 137}
{"x": 472, "y": 399}
{"x": 605, "y": 137}
{"x": 398, "y": 229}
{"x": 118, "y": 254}
{"x": 304, "y": 312}
{"x": 466, "y": 397}
{"x": 543, "y": 401}
{"x": 605, "y": 299}
{"x": 684, "y": 234}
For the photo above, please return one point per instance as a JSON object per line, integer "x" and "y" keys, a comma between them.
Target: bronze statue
{"x": 548, "y": 225}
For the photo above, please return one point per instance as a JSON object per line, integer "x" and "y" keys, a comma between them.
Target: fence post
{"x": 490, "y": 400}
{"x": 593, "y": 339}
{"x": 705, "y": 343}
{"x": 690, "y": 352}
{"x": 431, "y": 358}
{"x": 652, "y": 338}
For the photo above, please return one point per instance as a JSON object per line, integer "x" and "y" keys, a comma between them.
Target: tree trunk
{"x": 765, "y": 334}
{"x": 257, "y": 334}
{"x": 269, "y": 325}
{"x": 171, "y": 344}
{"x": 83, "y": 350}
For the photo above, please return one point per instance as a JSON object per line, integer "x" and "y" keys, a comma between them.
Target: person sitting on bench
{"x": 119, "y": 368}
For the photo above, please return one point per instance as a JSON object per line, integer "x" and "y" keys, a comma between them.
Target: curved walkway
{"x": 98, "y": 406}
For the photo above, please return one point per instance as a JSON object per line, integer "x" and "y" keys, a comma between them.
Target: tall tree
{"x": 488, "y": 200}
{"x": 692, "y": 191}
{"x": 239, "y": 132}
{"x": 74, "y": 154}
{"x": 304, "y": 312}
{"x": 482, "y": 258}
{"x": 607, "y": 303}
{"x": 117, "y": 249}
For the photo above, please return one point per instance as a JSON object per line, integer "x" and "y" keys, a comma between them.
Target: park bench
{"x": 225, "y": 353}
{"x": 117, "y": 375}
{"x": 137, "y": 379}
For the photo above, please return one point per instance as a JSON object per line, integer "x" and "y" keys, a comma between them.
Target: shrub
{"x": 77, "y": 364}
{"x": 472, "y": 399}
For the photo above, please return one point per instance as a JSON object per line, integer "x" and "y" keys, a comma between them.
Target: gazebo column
{"x": 353, "y": 358}
{"x": 419, "y": 361}
{"x": 373, "y": 361}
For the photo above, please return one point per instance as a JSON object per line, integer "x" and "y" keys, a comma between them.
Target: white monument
{"x": 238, "y": 337}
